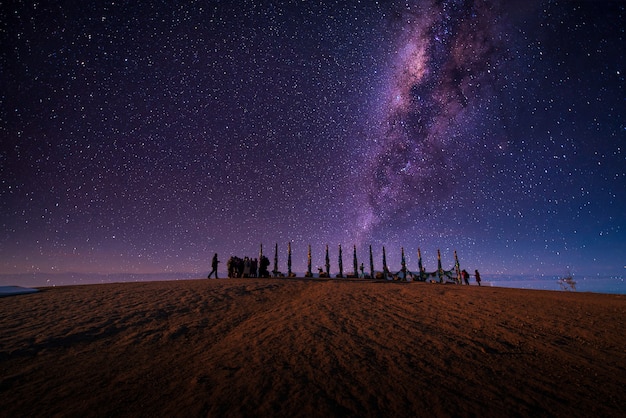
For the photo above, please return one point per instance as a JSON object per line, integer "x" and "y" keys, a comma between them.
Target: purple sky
{"x": 145, "y": 136}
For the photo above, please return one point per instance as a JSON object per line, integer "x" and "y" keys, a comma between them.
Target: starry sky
{"x": 144, "y": 136}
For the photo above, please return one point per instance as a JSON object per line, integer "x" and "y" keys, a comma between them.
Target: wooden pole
{"x": 371, "y": 264}
{"x": 276, "y": 261}
{"x": 355, "y": 262}
{"x": 289, "y": 259}
{"x": 340, "y": 262}
{"x": 385, "y": 269}
{"x": 327, "y": 262}
{"x": 308, "y": 264}
{"x": 403, "y": 265}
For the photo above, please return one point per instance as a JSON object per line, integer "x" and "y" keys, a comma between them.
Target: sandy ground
{"x": 280, "y": 347}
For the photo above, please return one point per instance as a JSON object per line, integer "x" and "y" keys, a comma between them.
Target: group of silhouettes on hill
{"x": 242, "y": 267}
{"x": 251, "y": 267}
{"x": 247, "y": 267}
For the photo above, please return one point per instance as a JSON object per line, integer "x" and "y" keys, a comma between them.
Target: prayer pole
{"x": 419, "y": 264}
{"x": 439, "y": 269}
{"x": 340, "y": 263}
{"x": 327, "y": 262}
{"x": 457, "y": 268}
{"x": 385, "y": 269}
{"x": 289, "y": 259}
{"x": 403, "y": 264}
{"x": 354, "y": 261}
{"x": 371, "y": 264}
{"x": 308, "y": 265}
{"x": 276, "y": 261}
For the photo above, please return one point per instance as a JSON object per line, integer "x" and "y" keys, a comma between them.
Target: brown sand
{"x": 277, "y": 347}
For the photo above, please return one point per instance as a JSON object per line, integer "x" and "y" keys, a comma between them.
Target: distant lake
{"x": 596, "y": 284}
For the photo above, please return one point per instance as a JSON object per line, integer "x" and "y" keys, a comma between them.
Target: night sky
{"x": 142, "y": 136}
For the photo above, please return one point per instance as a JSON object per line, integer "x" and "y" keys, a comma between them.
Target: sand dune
{"x": 277, "y": 347}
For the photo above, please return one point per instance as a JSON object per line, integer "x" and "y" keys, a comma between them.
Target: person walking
{"x": 465, "y": 276}
{"x": 477, "y": 275}
{"x": 214, "y": 264}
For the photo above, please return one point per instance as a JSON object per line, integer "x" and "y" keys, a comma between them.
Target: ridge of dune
{"x": 283, "y": 347}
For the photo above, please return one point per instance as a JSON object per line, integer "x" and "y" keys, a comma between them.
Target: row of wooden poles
{"x": 386, "y": 272}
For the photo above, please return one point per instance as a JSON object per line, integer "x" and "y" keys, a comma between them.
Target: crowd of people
{"x": 247, "y": 267}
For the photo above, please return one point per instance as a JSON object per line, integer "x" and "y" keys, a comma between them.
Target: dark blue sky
{"x": 145, "y": 136}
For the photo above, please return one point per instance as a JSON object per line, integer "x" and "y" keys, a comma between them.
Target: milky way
{"x": 142, "y": 137}
{"x": 444, "y": 67}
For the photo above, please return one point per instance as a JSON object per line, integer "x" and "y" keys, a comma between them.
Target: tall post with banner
{"x": 289, "y": 259}
{"x": 385, "y": 269}
{"x": 403, "y": 265}
{"x": 327, "y": 262}
{"x": 354, "y": 262}
{"x": 340, "y": 263}
{"x": 419, "y": 264}
{"x": 371, "y": 264}
{"x": 439, "y": 268}
{"x": 275, "y": 261}
{"x": 457, "y": 269}
{"x": 309, "y": 273}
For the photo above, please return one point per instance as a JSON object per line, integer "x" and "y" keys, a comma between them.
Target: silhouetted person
{"x": 246, "y": 267}
{"x": 254, "y": 267}
{"x": 477, "y": 274}
{"x": 214, "y": 264}
{"x": 264, "y": 263}
{"x": 465, "y": 276}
